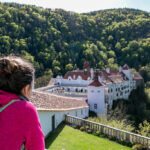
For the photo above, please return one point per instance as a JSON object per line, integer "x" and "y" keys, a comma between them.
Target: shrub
{"x": 129, "y": 144}
{"x": 94, "y": 133}
{"x": 75, "y": 127}
{"x": 82, "y": 128}
{"x": 139, "y": 147}
{"x": 86, "y": 127}
{"x": 68, "y": 123}
{"x": 122, "y": 142}
{"x": 89, "y": 131}
{"x": 144, "y": 128}
{"x": 97, "y": 133}
{"x": 123, "y": 124}
{"x": 103, "y": 135}
{"x": 112, "y": 138}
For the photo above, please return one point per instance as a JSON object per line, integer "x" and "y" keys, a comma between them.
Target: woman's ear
{"x": 26, "y": 91}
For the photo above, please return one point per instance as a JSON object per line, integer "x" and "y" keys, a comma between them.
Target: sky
{"x": 81, "y": 6}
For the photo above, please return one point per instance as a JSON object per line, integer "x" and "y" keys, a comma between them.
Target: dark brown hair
{"x": 15, "y": 74}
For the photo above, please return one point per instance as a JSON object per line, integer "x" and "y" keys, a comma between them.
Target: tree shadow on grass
{"x": 53, "y": 135}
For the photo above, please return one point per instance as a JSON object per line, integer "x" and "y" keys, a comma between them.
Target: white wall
{"x": 71, "y": 81}
{"x": 128, "y": 73}
{"x": 46, "y": 118}
{"x": 96, "y": 95}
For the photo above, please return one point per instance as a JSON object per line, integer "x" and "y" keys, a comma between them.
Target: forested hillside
{"x": 57, "y": 41}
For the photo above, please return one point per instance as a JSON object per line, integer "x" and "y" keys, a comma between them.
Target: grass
{"x": 67, "y": 138}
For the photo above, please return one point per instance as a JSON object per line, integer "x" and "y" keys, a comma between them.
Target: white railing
{"x": 110, "y": 131}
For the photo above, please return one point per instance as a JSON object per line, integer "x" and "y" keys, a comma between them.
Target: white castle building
{"x": 98, "y": 87}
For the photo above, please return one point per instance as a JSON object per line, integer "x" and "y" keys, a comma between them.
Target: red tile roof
{"x": 112, "y": 76}
{"x": 108, "y": 77}
{"x": 76, "y": 74}
{"x": 96, "y": 83}
{"x": 137, "y": 76}
{"x": 50, "y": 102}
{"x": 86, "y": 64}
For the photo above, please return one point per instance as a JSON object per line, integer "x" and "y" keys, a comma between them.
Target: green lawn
{"x": 67, "y": 138}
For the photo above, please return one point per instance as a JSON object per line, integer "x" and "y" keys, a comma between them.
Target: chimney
{"x": 74, "y": 76}
{"x": 120, "y": 69}
{"x": 92, "y": 73}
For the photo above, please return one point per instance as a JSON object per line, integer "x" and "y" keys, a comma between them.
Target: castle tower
{"x": 96, "y": 96}
{"x": 86, "y": 67}
{"x": 127, "y": 71}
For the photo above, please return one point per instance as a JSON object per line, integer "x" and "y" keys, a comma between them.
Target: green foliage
{"x": 145, "y": 72}
{"x": 89, "y": 131}
{"x": 44, "y": 80}
{"x": 120, "y": 124}
{"x": 82, "y": 128}
{"x": 138, "y": 147}
{"x": 144, "y": 128}
{"x": 69, "y": 67}
{"x": 138, "y": 105}
{"x": 60, "y": 40}
{"x": 96, "y": 133}
{"x": 75, "y": 127}
{"x": 27, "y": 56}
{"x": 135, "y": 110}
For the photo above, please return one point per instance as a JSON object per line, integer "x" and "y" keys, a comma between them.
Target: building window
{"x": 81, "y": 112}
{"x": 98, "y": 91}
{"x": 92, "y": 91}
{"x": 111, "y": 90}
{"x": 117, "y": 94}
{"x": 95, "y": 106}
{"x": 69, "y": 78}
{"x": 76, "y": 114}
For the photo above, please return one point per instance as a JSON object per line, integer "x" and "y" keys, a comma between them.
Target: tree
{"x": 118, "y": 46}
{"x": 69, "y": 67}
{"x": 27, "y": 56}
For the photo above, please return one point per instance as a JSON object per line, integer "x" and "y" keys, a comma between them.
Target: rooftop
{"x": 96, "y": 83}
{"x": 49, "y": 102}
{"x": 109, "y": 77}
{"x": 125, "y": 67}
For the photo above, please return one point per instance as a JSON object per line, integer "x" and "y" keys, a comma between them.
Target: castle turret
{"x": 86, "y": 67}
{"x": 96, "y": 96}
